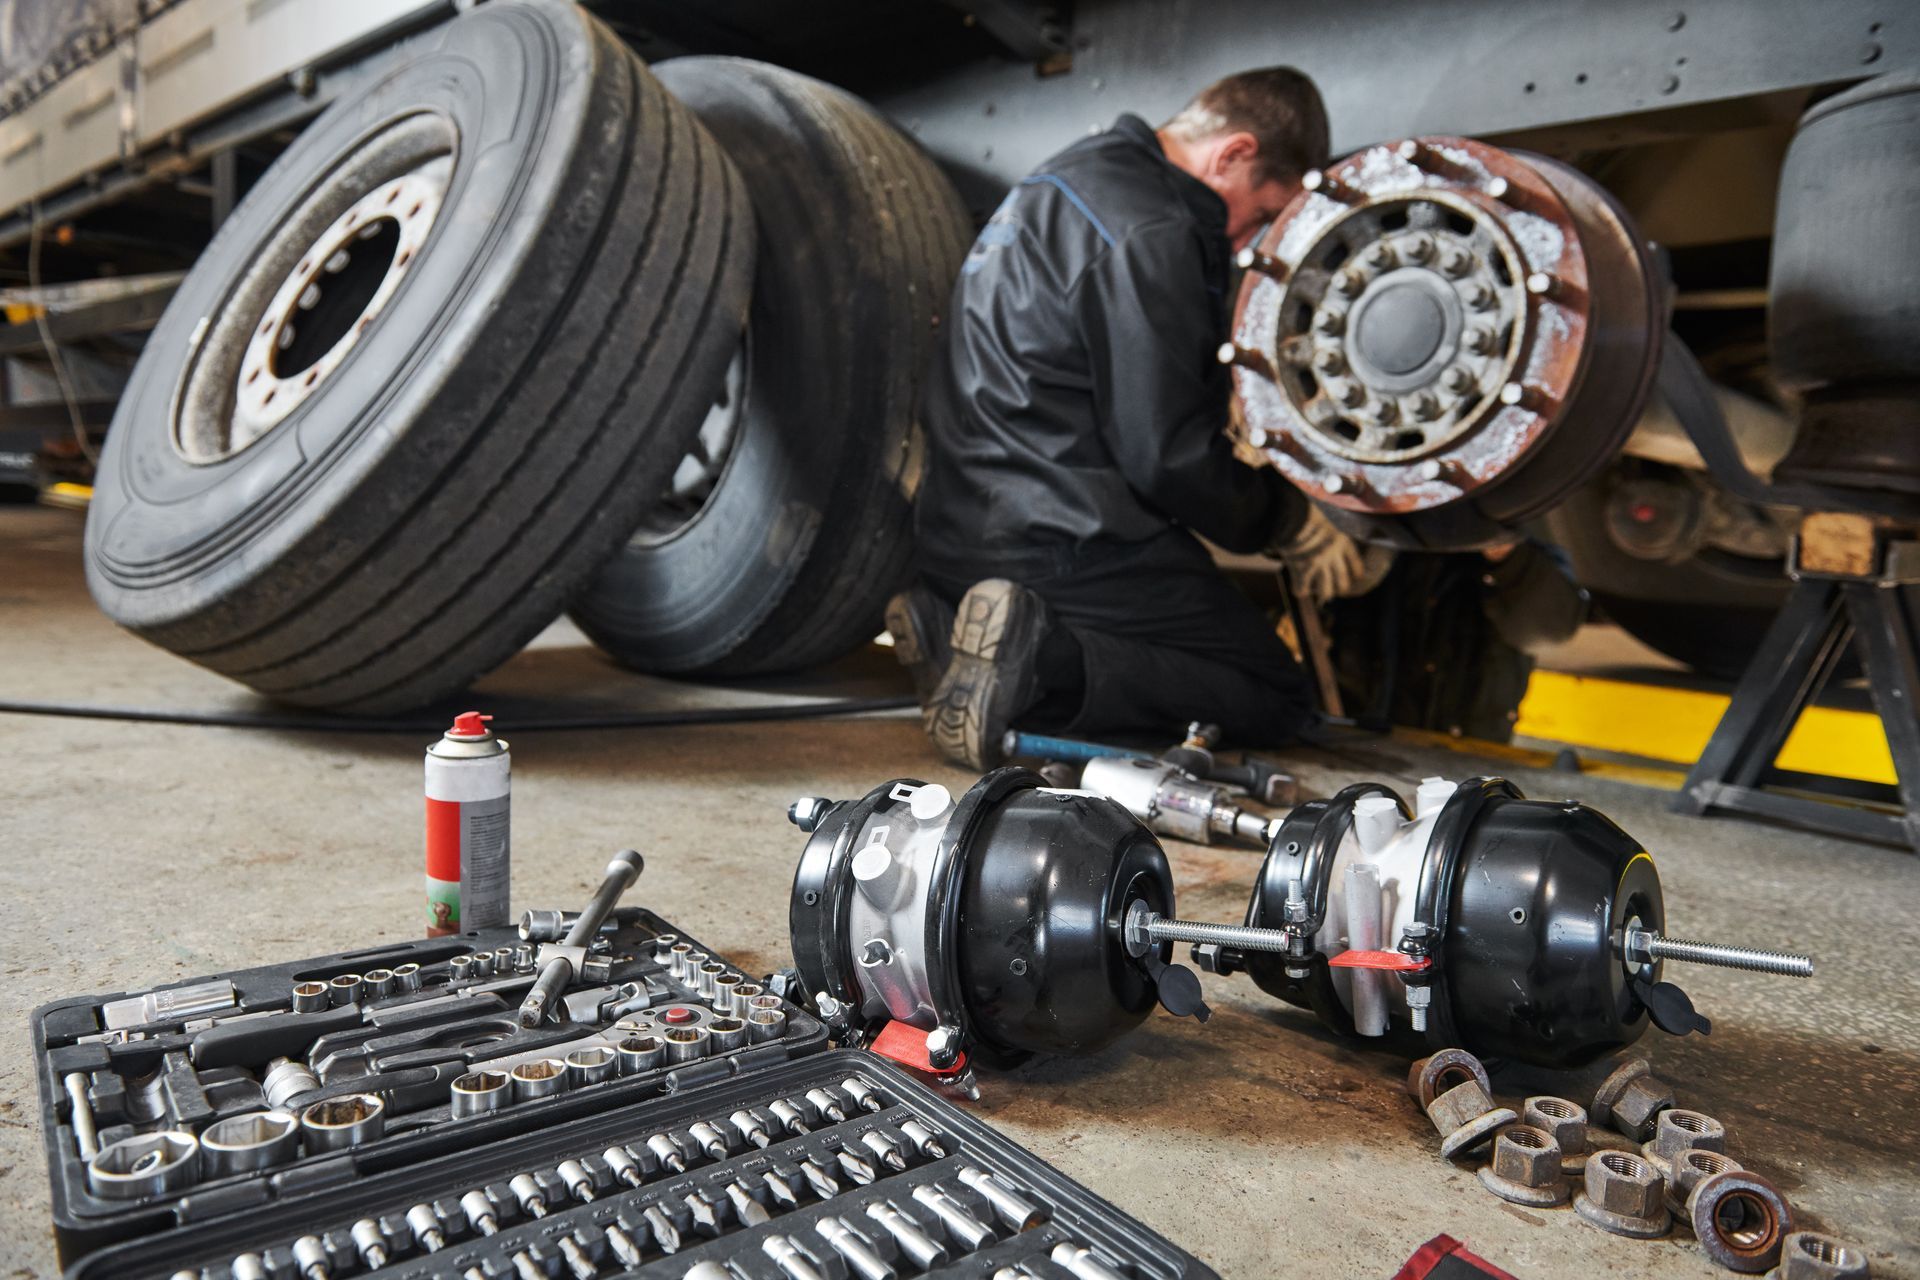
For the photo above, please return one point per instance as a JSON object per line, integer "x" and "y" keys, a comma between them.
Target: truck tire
{"x": 788, "y": 534}
{"x": 412, "y": 394}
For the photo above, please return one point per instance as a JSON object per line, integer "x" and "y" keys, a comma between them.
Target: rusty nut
{"x": 1526, "y": 1167}
{"x": 1630, "y": 1099}
{"x": 1565, "y": 1122}
{"x": 1430, "y": 1077}
{"x": 1740, "y": 1219}
{"x": 1690, "y": 1169}
{"x": 1465, "y": 1117}
{"x": 1808, "y": 1255}
{"x": 1624, "y": 1194}
{"x": 1676, "y": 1130}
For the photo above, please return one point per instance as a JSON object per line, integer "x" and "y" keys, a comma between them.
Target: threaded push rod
{"x": 1232, "y": 935}
{"x": 1642, "y": 945}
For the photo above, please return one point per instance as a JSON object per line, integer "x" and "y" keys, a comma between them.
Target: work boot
{"x": 993, "y": 675}
{"x": 919, "y": 622}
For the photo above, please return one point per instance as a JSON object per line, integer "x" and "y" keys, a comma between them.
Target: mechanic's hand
{"x": 1326, "y": 563}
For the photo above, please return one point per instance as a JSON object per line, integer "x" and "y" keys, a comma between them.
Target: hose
{"x": 318, "y": 723}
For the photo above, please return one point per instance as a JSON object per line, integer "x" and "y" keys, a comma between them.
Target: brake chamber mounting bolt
{"x": 1644, "y": 947}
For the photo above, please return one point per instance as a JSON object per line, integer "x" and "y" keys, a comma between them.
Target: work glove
{"x": 1325, "y": 563}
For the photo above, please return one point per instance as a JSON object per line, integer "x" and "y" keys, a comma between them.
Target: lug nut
{"x": 1565, "y": 1122}
{"x": 1526, "y": 1168}
{"x": 1808, "y": 1255}
{"x": 1676, "y": 1130}
{"x": 1465, "y": 1117}
{"x": 1329, "y": 322}
{"x": 1623, "y": 1194}
{"x": 1479, "y": 340}
{"x": 1458, "y": 380}
{"x": 1457, "y": 262}
{"x": 1350, "y": 283}
{"x": 1740, "y": 1219}
{"x": 1382, "y": 256}
{"x": 1630, "y": 1100}
{"x": 1351, "y": 394}
{"x": 1690, "y": 1169}
{"x": 1329, "y": 360}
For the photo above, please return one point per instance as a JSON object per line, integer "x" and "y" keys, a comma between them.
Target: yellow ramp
{"x": 1674, "y": 724}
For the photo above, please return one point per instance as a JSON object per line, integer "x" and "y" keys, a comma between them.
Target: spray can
{"x": 469, "y": 859}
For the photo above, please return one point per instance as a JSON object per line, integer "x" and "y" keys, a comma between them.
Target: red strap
{"x": 1392, "y": 961}
{"x": 907, "y": 1046}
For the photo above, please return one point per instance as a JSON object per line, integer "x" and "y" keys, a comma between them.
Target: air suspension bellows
{"x": 1522, "y": 929}
{"x": 1438, "y": 339}
{"x": 995, "y": 923}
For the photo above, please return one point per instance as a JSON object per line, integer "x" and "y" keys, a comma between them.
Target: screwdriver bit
{"x": 856, "y": 1088}
{"x": 750, "y": 1211}
{"x": 705, "y": 1219}
{"x": 781, "y": 1188}
{"x": 578, "y": 1262}
{"x": 886, "y": 1148}
{"x": 665, "y": 1234}
{"x": 623, "y": 1246}
{"x": 924, "y": 1138}
{"x": 526, "y": 1268}
{"x": 825, "y": 1104}
{"x": 820, "y": 1180}
{"x": 856, "y": 1167}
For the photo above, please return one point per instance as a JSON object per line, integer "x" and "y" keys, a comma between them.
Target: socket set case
{"x": 905, "y": 1185}
{"x": 187, "y": 1056}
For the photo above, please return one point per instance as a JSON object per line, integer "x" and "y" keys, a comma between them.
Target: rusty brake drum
{"x": 1438, "y": 339}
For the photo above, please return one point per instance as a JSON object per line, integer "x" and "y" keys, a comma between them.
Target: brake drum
{"x": 1438, "y": 339}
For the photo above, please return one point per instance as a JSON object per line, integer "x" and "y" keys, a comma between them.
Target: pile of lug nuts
{"x": 1639, "y": 1161}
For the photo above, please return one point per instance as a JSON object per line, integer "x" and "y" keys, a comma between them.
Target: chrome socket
{"x": 378, "y": 984}
{"x": 505, "y": 961}
{"x": 663, "y": 947}
{"x": 541, "y": 1078}
{"x": 482, "y": 962}
{"x": 766, "y": 1002}
{"x": 147, "y": 1164}
{"x": 677, "y": 961}
{"x": 766, "y": 1024}
{"x": 286, "y": 1080}
{"x": 640, "y": 1053}
{"x": 523, "y": 958}
{"x": 407, "y": 976}
{"x": 708, "y": 979}
{"x": 590, "y": 1065}
{"x": 687, "y": 1044}
{"x": 479, "y": 1092}
{"x": 726, "y": 1034}
{"x": 245, "y": 1144}
{"x": 345, "y": 989}
{"x": 460, "y": 968}
{"x": 338, "y": 1123}
{"x": 726, "y": 987}
{"x": 311, "y": 997}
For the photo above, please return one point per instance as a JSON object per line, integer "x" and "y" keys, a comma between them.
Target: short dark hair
{"x": 1279, "y": 106}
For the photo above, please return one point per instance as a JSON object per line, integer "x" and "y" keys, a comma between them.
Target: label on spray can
{"x": 469, "y": 855}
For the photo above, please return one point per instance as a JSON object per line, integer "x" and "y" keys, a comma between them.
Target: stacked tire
{"x": 440, "y": 372}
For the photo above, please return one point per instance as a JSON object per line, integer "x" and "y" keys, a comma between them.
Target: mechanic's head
{"x": 1250, "y": 137}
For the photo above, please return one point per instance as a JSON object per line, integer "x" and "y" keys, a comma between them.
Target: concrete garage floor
{"x": 138, "y": 854}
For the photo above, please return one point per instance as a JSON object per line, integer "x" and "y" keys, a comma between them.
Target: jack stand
{"x": 1856, "y": 580}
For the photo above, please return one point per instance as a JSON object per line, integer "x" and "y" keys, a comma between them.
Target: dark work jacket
{"x": 1445, "y": 642}
{"x": 1077, "y": 396}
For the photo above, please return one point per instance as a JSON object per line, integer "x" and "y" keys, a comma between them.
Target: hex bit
{"x": 578, "y": 1182}
{"x": 790, "y": 1116}
{"x": 750, "y": 1128}
{"x": 856, "y": 1088}
{"x": 526, "y": 1268}
{"x": 786, "y": 1255}
{"x": 310, "y": 1259}
{"x": 860, "y": 1259}
{"x": 625, "y": 1168}
{"x": 370, "y": 1242}
{"x": 425, "y": 1225}
{"x": 968, "y": 1230}
{"x": 709, "y": 1139}
{"x": 479, "y": 1211}
{"x": 668, "y": 1152}
{"x": 926, "y": 1252}
{"x": 1020, "y": 1213}
{"x": 532, "y": 1200}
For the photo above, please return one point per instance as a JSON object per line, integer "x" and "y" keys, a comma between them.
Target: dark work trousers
{"x": 1165, "y": 638}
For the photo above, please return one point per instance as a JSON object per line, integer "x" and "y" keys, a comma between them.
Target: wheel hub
{"x": 1419, "y": 320}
